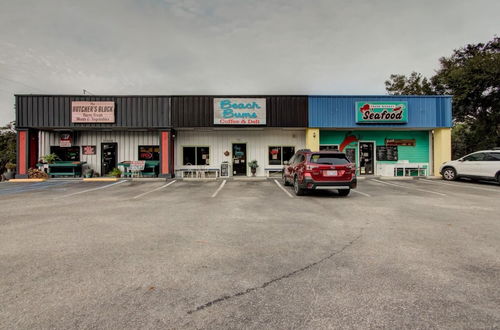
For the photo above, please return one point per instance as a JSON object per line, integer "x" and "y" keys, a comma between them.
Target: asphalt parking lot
{"x": 245, "y": 254}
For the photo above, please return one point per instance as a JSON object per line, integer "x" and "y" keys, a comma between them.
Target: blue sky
{"x": 228, "y": 46}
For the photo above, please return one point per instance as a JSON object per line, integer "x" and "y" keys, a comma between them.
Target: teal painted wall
{"x": 417, "y": 154}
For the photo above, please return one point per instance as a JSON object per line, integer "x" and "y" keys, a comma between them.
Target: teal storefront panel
{"x": 417, "y": 154}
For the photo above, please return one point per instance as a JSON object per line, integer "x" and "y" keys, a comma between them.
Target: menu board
{"x": 224, "y": 170}
{"x": 351, "y": 154}
{"x": 389, "y": 153}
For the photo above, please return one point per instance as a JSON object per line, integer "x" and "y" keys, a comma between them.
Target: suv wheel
{"x": 285, "y": 181}
{"x": 344, "y": 192}
{"x": 449, "y": 174}
{"x": 498, "y": 177}
{"x": 298, "y": 191}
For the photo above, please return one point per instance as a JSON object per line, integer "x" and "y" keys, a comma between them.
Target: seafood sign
{"x": 239, "y": 111}
{"x": 395, "y": 112}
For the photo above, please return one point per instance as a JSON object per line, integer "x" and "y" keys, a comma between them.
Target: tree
{"x": 7, "y": 145}
{"x": 472, "y": 75}
{"x": 415, "y": 84}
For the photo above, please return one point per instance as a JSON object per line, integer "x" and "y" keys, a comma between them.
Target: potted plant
{"x": 253, "y": 166}
{"x": 11, "y": 168}
{"x": 50, "y": 158}
{"x": 116, "y": 172}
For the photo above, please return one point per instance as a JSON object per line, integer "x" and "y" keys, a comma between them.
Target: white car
{"x": 480, "y": 165}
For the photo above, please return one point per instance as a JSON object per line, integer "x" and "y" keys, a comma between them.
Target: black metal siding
{"x": 54, "y": 111}
{"x": 198, "y": 111}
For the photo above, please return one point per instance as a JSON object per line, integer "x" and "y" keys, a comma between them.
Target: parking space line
{"x": 219, "y": 189}
{"x": 410, "y": 188}
{"x": 283, "y": 188}
{"x": 93, "y": 189}
{"x": 156, "y": 189}
{"x": 361, "y": 193}
{"x": 457, "y": 185}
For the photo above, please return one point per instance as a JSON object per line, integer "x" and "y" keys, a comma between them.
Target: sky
{"x": 228, "y": 46}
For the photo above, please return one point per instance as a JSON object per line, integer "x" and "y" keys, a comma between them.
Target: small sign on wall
{"x": 65, "y": 140}
{"x": 88, "y": 150}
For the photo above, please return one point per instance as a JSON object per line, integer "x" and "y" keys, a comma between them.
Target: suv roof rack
{"x": 304, "y": 150}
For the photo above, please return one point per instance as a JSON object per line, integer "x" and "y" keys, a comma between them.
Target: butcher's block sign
{"x": 92, "y": 112}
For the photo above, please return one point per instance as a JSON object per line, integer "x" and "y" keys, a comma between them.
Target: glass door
{"x": 239, "y": 159}
{"x": 366, "y": 158}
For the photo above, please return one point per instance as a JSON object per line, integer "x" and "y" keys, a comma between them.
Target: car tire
{"x": 344, "y": 192}
{"x": 285, "y": 181}
{"x": 296, "y": 188}
{"x": 449, "y": 174}
{"x": 498, "y": 177}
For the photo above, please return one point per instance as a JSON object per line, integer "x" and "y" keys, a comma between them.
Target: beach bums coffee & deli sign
{"x": 239, "y": 111}
{"x": 92, "y": 112}
{"x": 382, "y": 112}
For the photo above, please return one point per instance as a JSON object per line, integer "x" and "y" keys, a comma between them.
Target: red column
{"x": 22, "y": 154}
{"x": 165, "y": 154}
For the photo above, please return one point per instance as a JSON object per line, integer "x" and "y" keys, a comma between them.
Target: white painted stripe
{"x": 411, "y": 188}
{"x": 219, "y": 189}
{"x": 156, "y": 189}
{"x": 465, "y": 185}
{"x": 361, "y": 193}
{"x": 93, "y": 189}
{"x": 283, "y": 188}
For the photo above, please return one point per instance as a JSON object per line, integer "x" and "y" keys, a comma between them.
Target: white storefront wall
{"x": 257, "y": 143}
{"x": 128, "y": 144}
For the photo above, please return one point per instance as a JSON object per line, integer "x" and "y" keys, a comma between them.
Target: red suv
{"x": 309, "y": 170}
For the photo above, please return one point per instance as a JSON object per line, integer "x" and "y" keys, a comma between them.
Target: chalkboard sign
{"x": 389, "y": 153}
{"x": 351, "y": 154}
{"x": 224, "y": 170}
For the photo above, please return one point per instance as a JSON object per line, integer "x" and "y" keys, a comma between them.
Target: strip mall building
{"x": 383, "y": 135}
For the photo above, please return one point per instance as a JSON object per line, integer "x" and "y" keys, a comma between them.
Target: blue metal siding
{"x": 339, "y": 111}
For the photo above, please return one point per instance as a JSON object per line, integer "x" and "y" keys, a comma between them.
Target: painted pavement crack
{"x": 274, "y": 280}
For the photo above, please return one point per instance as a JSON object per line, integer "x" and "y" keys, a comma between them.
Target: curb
{"x": 27, "y": 180}
{"x": 101, "y": 179}
{"x": 198, "y": 179}
{"x": 398, "y": 178}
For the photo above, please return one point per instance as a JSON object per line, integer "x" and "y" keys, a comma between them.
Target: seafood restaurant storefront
{"x": 384, "y": 135}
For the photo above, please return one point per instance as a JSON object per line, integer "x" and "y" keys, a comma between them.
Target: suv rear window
{"x": 329, "y": 159}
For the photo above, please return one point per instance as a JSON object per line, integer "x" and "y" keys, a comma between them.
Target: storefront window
{"x": 66, "y": 153}
{"x": 149, "y": 153}
{"x": 196, "y": 155}
{"x": 279, "y": 154}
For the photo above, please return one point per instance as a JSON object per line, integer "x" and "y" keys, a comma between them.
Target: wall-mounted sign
{"x": 394, "y": 112}
{"x": 65, "y": 140}
{"x": 88, "y": 150}
{"x": 92, "y": 112}
{"x": 239, "y": 111}
{"x": 400, "y": 142}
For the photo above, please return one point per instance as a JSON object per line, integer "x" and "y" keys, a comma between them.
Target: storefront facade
{"x": 384, "y": 135}
{"x": 100, "y": 131}
{"x": 235, "y": 130}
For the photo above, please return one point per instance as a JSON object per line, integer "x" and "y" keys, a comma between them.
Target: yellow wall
{"x": 312, "y": 139}
{"x": 441, "y": 147}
